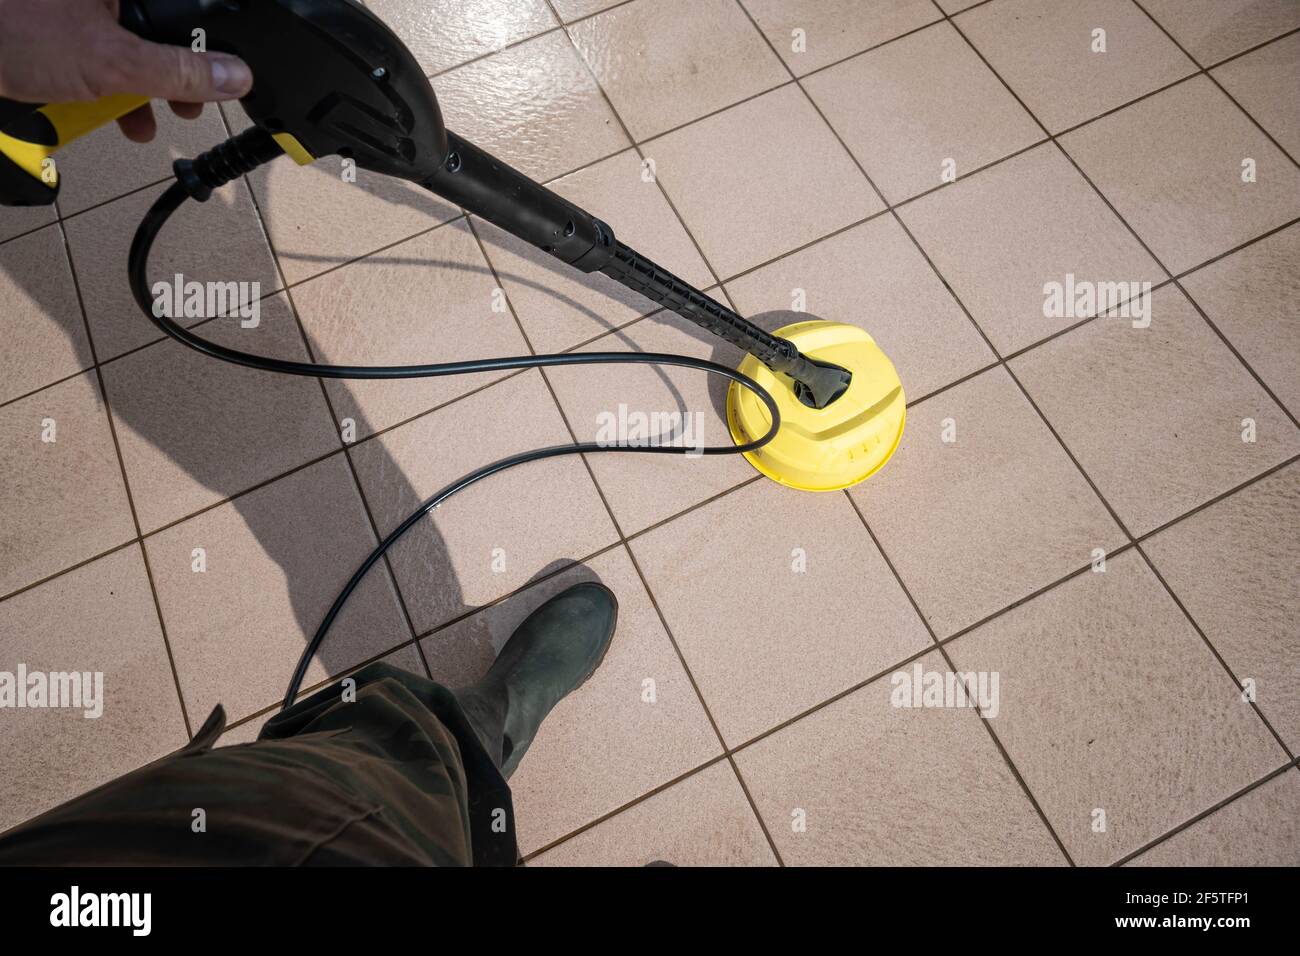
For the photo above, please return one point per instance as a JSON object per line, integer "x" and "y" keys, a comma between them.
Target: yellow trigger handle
{"x": 28, "y": 141}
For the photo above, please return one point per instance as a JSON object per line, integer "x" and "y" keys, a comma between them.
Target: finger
{"x": 139, "y": 125}
{"x": 175, "y": 73}
{"x": 187, "y": 111}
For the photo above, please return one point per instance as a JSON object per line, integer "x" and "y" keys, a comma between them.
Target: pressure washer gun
{"x": 331, "y": 79}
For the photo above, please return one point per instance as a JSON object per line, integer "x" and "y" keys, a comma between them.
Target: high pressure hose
{"x": 187, "y": 187}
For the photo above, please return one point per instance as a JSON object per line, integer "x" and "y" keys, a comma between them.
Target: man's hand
{"x": 57, "y": 51}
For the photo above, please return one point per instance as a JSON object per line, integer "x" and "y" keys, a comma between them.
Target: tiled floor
{"x": 1100, "y": 512}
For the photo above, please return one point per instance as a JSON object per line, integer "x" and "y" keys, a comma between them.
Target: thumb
{"x": 175, "y": 73}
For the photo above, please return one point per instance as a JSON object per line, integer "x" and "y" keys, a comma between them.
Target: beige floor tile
{"x": 559, "y": 306}
{"x": 1214, "y": 29}
{"x": 704, "y": 820}
{"x": 636, "y": 724}
{"x": 954, "y": 6}
{"x": 64, "y": 498}
{"x": 873, "y": 276}
{"x": 430, "y": 299}
{"x": 771, "y": 203}
{"x": 1253, "y": 296}
{"x": 1264, "y": 83}
{"x": 983, "y": 520}
{"x": 1261, "y": 828}
{"x": 217, "y": 241}
{"x": 666, "y": 62}
{"x": 999, "y": 238}
{"x": 495, "y": 536}
{"x": 98, "y": 618}
{"x": 105, "y": 164}
{"x": 1048, "y": 54}
{"x": 834, "y": 29}
{"x": 1109, "y": 701}
{"x": 1156, "y": 416}
{"x": 40, "y": 317}
{"x": 1172, "y": 165}
{"x": 446, "y": 33}
{"x": 18, "y": 220}
{"x": 644, "y": 488}
{"x": 1233, "y": 565}
{"x": 194, "y": 431}
{"x": 535, "y": 106}
{"x": 275, "y": 560}
{"x": 909, "y": 108}
{"x": 803, "y": 607}
{"x": 865, "y": 782}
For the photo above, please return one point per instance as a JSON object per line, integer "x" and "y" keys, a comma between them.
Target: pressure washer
{"x": 816, "y": 405}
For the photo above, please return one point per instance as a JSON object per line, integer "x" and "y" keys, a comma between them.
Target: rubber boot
{"x": 550, "y": 655}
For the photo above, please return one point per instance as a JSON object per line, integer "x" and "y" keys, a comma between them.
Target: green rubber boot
{"x": 550, "y": 655}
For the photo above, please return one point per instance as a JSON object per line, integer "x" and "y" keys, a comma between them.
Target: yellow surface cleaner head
{"x": 823, "y": 449}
